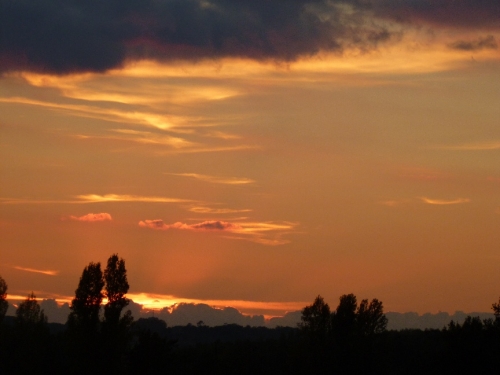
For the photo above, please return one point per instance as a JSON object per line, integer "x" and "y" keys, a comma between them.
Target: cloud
{"x": 204, "y": 149}
{"x": 265, "y": 233}
{"x": 145, "y": 118}
{"x": 143, "y": 137}
{"x": 487, "y": 42}
{"x": 471, "y": 14}
{"x": 208, "y": 210}
{"x": 74, "y": 36}
{"x": 222, "y": 135}
{"x": 166, "y": 144}
{"x": 216, "y": 180}
{"x": 55, "y": 312}
{"x": 44, "y": 272}
{"x": 92, "y": 217}
{"x": 169, "y": 303}
{"x": 261, "y": 240}
{"x": 444, "y": 202}
{"x": 206, "y": 225}
{"x": 95, "y": 198}
{"x": 184, "y": 313}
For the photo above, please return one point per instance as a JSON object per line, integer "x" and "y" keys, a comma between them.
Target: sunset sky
{"x": 253, "y": 153}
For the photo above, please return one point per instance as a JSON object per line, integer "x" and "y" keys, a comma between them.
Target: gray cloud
{"x": 185, "y": 313}
{"x": 477, "y": 14}
{"x": 487, "y": 42}
{"x": 55, "y": 313}
{"x": 76, "y": 36}
{"x": 68, "y": 36}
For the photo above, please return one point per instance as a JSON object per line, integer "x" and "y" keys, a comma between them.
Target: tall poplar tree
{"x": 3, "y": 299}
{"x": 85, "y": 307}
{"x": 116, "y": 286}
{"x": 116, "y": 324}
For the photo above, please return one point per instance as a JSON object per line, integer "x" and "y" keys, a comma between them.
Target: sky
{"x": 253, "y": 153}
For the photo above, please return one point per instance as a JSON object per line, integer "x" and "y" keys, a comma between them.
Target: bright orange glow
{"x": 160, "y": 301}
{"x": 94, "y": 198}
{"x": 445, "y": 202}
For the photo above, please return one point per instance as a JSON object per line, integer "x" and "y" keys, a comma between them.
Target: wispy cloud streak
{"x": 444, "y": 202}
{"x": 154, "y": 120}
{"x": 142, "y": 137}
{"x": 208, "y": 210}
{"x": 44, "y": 272}
{"x": 96, "y": 198}
{"x": 217, "y": 180}
{"x": 265, "y": 233}
{"x": 216, "y": 225}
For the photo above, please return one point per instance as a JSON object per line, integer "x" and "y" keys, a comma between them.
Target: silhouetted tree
{"x": 344, "y": 317}
{"x": 3, "y": 299}
{"x": 116, "y": 326}
{"x": 116, "y": 286}
{"x": 29, "y": 314}
{"x": 84, "y": 315}
{"x": 30, "y": 345}
{"x": 83, "y": 327}
{"x": 496, "y": 310}
{"x": 316, "y": 319}
{"x": 370, "y": 318}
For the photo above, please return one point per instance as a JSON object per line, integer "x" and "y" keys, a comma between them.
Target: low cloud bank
{"x": 183, "y": 314}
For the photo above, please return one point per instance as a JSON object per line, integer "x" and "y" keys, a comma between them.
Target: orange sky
{"x": 263, "y": 182}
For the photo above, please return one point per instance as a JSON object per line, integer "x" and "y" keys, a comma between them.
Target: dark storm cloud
{"x": 482, "y": 14}
{"x": 64, "y": 36}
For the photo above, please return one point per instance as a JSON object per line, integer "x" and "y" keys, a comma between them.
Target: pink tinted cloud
{"x": 264, "y": 233}
{"x": 205, "y": 225}
{"x": 92, "y": 217}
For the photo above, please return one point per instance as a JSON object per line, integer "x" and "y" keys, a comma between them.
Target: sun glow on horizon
{"x": 161, "y": 301}
{"x": 156, "y": 302}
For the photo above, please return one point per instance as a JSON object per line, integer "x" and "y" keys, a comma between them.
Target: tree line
{"x": 93, "y": 342}
{"x": 100, "y": 336}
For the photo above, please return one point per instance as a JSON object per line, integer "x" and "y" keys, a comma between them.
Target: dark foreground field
{"x": 151, "y": 347}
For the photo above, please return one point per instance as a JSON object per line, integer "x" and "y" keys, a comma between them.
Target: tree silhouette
{"x": 344, "y": 317}
{"x": 30, "y": 344}
{"x": 84, "y": 315}
{"x": 83, "y": 330}
{"x": 115, "y": 276}
{"x": 116, "y": 326}
{"x": 316, "y": 319}
{"x": 496, "y": 310}
{"x": 370, "y": 317}
{"x": 29, "y": 314}
{"x": 3, "y": 299}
